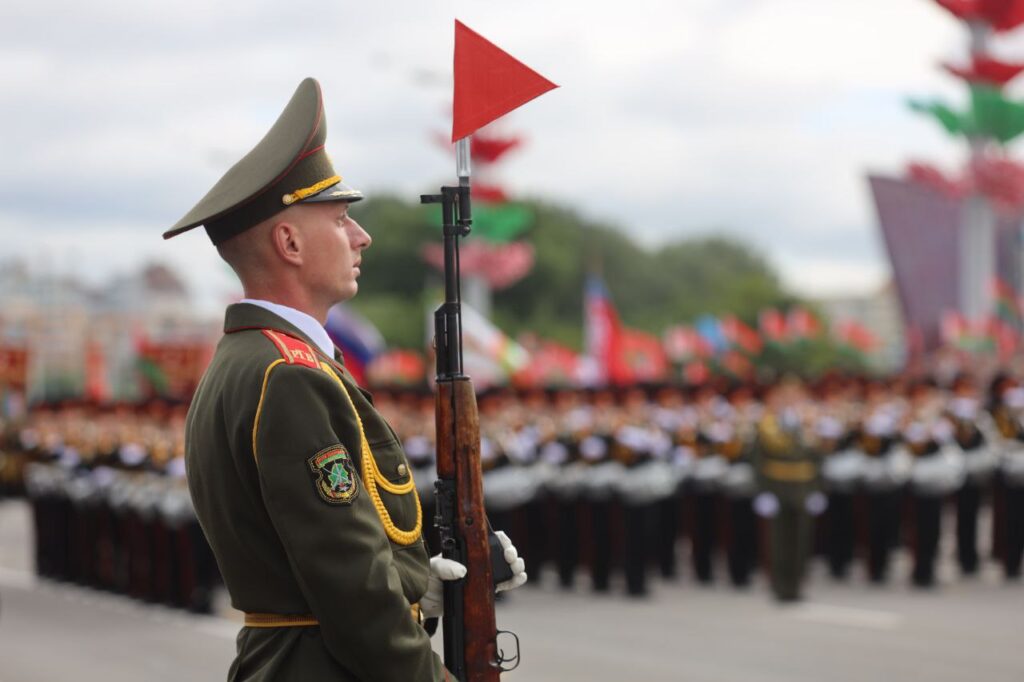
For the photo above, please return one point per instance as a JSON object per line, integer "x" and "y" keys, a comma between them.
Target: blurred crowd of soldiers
{"x": 110, "y": 505}
{"x": 747, "y": 476}
{"x": 596, "y": 482}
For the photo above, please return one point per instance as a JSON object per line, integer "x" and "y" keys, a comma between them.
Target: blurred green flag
{"x": 498, "y": 223}
{"x": 995, "y": 115}
{"x": 954, "y": 123}
{"x": 992, "y": 115}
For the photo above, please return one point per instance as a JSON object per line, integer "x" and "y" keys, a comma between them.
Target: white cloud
{"x": 674, "y": 117}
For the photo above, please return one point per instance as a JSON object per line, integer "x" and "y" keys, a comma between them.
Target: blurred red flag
{"x": 952, "y": 327}
{"x": 1000, "y": 179}
{"x": 603, "y": 333}
{"x": 97, "y": 388}
{"x": 1006, "y": 338}
{"x": 397, "y": 368}
{"x": 14, "y": 366}
{"x": 741, "y": 335}
{"x": 696, "y": 373}
{"x": 737, "y": 364}
{"x": 642, "y": 355}
{"x": 489, "y": 82}
{"x": 1002, "y": 15}
{"x": 801, "y": 323}
{"x": 962, "y": 9}
{"x": 683, "y": 343}
{"x": 489, "y": 194}
{"x": 551, "y": 364}
{"x": 772, "y": 324}
{"x": 948, "y": 184}
{"x": 489, "y": 148}
{"x": 856, "y": 335}
{"x": 985, "y": 69}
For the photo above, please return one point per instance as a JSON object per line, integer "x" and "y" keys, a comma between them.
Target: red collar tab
{"x": 294, "y": 351}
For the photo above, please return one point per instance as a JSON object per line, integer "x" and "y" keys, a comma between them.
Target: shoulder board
{"x": 294, "y": 351}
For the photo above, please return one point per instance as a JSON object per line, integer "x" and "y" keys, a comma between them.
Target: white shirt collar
{"x": 307, "y": 324}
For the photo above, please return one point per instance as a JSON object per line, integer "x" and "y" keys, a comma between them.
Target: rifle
{"x": 471, "y": 650}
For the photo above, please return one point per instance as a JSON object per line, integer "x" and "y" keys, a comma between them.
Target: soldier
{"x": 937, "y": 471}
{"x": 704, "y": 489}
{"x": 300, "y": 486}
{"x": 788, "y": 472}
{"x": 645, "y": 483}
{"x": 566, "y": 480}
{"x": 980, "y": 462}
{"x": 1007, "y": 407}
{"x": 739, "y": 485}
{"x": 509, "y": 455}
{"x": 191, "y": 571}
{"x": 666, "y": 417}
{"x": 13, "y": 458}
{"x": 599, "y": 486}
{"x": 132, "y": 463}
{"x": 44, "y": 484}
{"x": 842, "y": 469}
{"x": 885, "y": 470}
{"x": 106, "y": 460}
{"x": 66, "y": 460}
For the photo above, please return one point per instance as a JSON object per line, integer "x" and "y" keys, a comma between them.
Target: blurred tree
{"x": 652, "y": 289}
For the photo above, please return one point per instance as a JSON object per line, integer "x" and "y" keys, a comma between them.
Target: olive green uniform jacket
{"x": 275, "y": 469}
{"x": 788, "y": 468}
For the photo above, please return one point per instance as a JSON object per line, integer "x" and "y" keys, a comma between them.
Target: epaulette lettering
{"x": 294, "y": 351}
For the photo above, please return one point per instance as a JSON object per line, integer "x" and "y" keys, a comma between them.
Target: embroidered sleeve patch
{"x": 334, "y": 474}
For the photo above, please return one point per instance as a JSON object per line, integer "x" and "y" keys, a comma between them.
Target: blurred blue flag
{"x": 710, "y": 329}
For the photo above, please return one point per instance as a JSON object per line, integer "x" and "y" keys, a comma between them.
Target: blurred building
{"x": 879, "y": 313}
{"x": 82, "y": 339}
{"x": 922, "y": 229}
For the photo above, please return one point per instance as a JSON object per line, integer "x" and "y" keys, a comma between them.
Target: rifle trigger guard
{"x": 502, "y": 660}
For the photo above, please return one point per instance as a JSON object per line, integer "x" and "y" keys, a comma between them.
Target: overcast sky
{"x": 757, "y": 118}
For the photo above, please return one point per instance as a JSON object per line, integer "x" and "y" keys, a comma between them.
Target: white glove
{"x": 441, "y": 569}
{"x": 816, "y": 503}
{"x": 766, "y": 505}
{"x": 514, "y": 561}
{"x": 432, "y": 603}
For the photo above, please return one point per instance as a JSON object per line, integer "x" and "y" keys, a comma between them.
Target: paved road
{"x": 967, "y": 631}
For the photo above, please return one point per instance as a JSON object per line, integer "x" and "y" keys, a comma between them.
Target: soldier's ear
{"x": 286, "y": 239}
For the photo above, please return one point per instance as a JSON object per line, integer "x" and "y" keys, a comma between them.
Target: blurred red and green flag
{"x": 772, "y": 324}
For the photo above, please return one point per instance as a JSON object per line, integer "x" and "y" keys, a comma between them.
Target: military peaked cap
{"x": 288, "y": 166}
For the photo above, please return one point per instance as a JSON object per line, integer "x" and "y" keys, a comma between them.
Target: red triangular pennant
{"x": 489, "y": 82}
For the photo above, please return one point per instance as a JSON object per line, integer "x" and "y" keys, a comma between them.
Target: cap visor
{"x": 336, "y": 192}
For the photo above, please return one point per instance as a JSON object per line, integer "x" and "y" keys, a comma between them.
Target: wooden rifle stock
{"x": 470, "y": 632}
